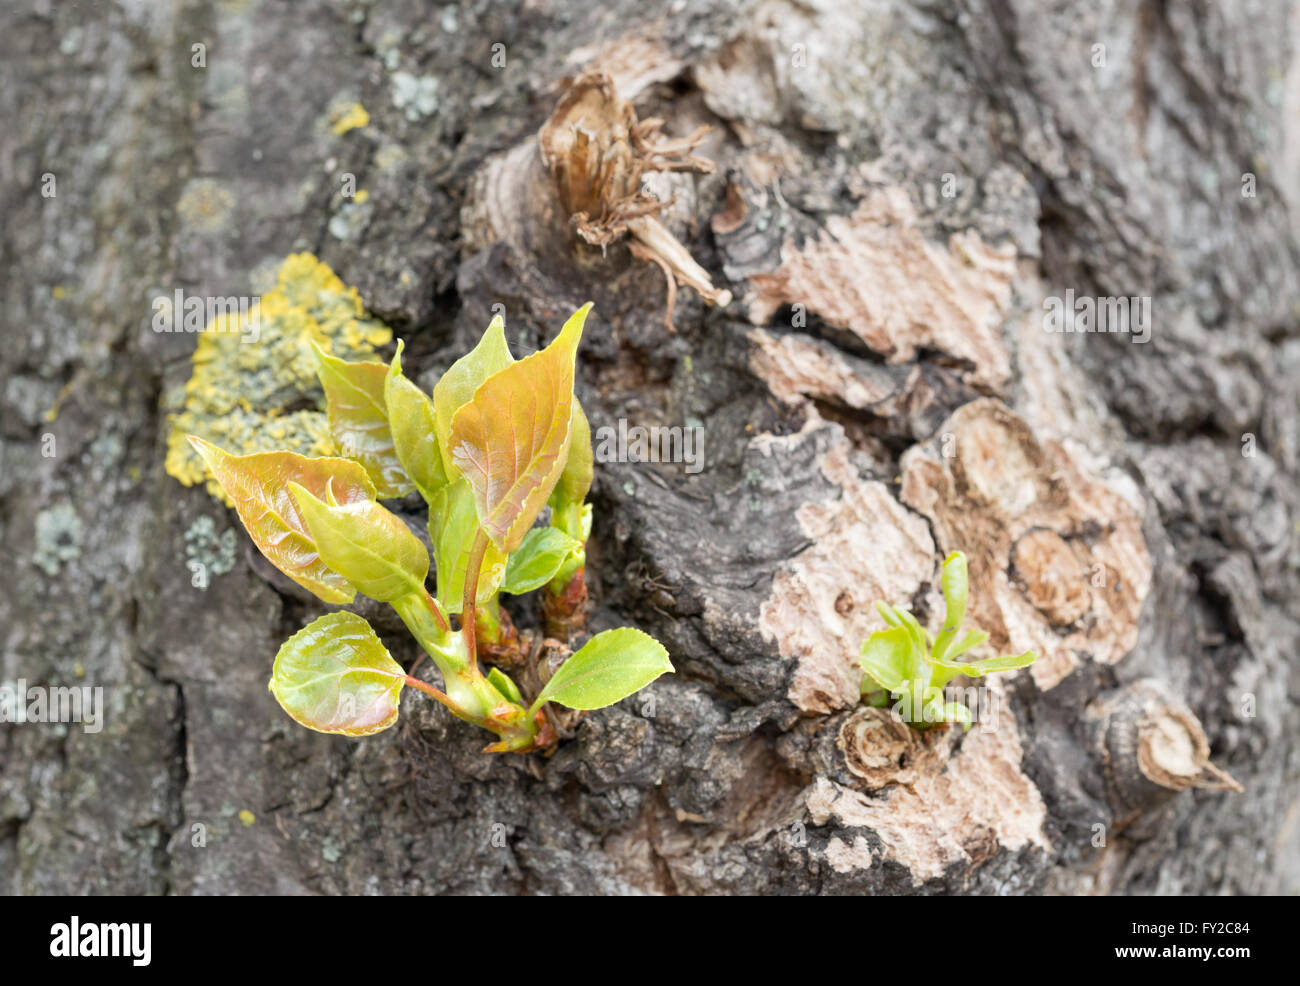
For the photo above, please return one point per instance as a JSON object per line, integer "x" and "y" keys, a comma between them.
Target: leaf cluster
{"x": 498, "y": 440}
{"x": 905, "y": 662}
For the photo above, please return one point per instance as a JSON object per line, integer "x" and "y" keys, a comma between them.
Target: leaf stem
{"x": 429, "y": 689}
{"x": 436, "y": 611}
{"x": 458, "y": 710}
{"x": 429, "y": 627}
{"x": 536, "y": 707}
{"x": 469, "y": 603}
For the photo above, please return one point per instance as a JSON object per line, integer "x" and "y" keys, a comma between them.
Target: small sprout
{"x": 499, "y": 440}
{"x": 906, "y": 663}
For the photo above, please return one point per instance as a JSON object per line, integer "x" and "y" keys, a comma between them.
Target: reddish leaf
{"x": 358, "y": 416}
{"x": 512, "y": 440}
{"x": 259, "y": 486}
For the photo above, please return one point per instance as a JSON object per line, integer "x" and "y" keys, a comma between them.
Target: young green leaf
{"x": 466, "y": 375}
{"x": 886, "y": 657}
{"x": 366, "y": 544}
{"x": 358, "y": 418}
{"x": 452, "y": 524}
{"x": 888, "y": 613}
{"x": 953, "y": 581}
{"x": 973, "y": 639}
{"x": 916, "y": 633}
{"x": 543, "y": 551}
{"x": 956, "y": 712}
{"x": 940, "y": 711}
{"x": 512, "y": 439}
{"x": 1007, "y": 662}
{"x": 579, "y": 468}
{"x": 415, "y": 430}
{"x": 502, "y": 683}
{"x": 607, "y": 668}
{"x": 334, "y": 676}
{"x": 258, "y": 484}
{"x": 872, "y": 694}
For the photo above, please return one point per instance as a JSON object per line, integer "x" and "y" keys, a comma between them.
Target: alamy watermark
{"x": 180, "y": 312}
{"x": 1088, "y": 314}
{"x": 82, "y": 704}
{"x": 101, "y": 940}
{"x": 653, "y": 444}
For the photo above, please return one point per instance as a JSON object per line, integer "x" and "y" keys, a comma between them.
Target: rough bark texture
{"x": 898, "y": 187}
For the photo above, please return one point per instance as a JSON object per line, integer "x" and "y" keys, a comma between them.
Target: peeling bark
{"x": 1057, "y": 560}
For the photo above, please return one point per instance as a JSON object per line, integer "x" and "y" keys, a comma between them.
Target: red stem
{"x": 445, "y": 699}
{"x": 429, "y": 689}
{"x": 437, "y": 613}
{"x": 469, "y": 602}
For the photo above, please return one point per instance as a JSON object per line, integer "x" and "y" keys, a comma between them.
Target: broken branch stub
{"x": 1150, "y": 746}
{"x": 598, "y": 153}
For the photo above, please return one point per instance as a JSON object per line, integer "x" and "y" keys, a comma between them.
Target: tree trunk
{"x": 912, "y": 203}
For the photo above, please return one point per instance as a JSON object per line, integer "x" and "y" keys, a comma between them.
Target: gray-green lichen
{"x": 58, "y": 538}
{"x": 215, "y": 552}
{"x": 417, "y": 97}
{"x": 351, "y": 219}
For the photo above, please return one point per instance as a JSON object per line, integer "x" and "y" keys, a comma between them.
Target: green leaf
{"x": 936, "y": 710}
{"x": 913, "y": 700}
{"x": 609, "y": 667}
{"x": 453, "y": 522}
{"x": 258, "y": 485}
{"x": 973, "y": 639}
{"x": 953, "y": 581}
{"x": 543, "y": 551}
{"x": 888, "y": 614}
{"x": 956, "y": 712}
{"x": 358, "y": 418}
{"x": 579, "y": 467}
{"x": 502, "y": 683}
{"x": 334, "y": 676}
{"x": 415, "y": 431}
{"x": 573, "y": 519}
{"x": 920, "y": 645}
{"x": 458, "y": 384}
{"x": 886, "y": 657}
{"x": 367, "y": 544}
{"x": 1007, "y": 662}
{"x": 872, "y": 694}
{"x": 512, "y": 439}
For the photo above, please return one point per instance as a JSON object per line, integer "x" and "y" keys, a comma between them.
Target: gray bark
{"x": 876, "y": 317}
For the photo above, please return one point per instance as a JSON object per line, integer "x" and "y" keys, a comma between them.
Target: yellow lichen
{"x": 247, "y": 818}
{"x": 254, "y": 386}
{"x": 52, "y": 414}
{"x": 348, "y": 117}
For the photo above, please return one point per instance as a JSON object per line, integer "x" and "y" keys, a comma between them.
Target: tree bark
{"x": 900, "y": 192}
